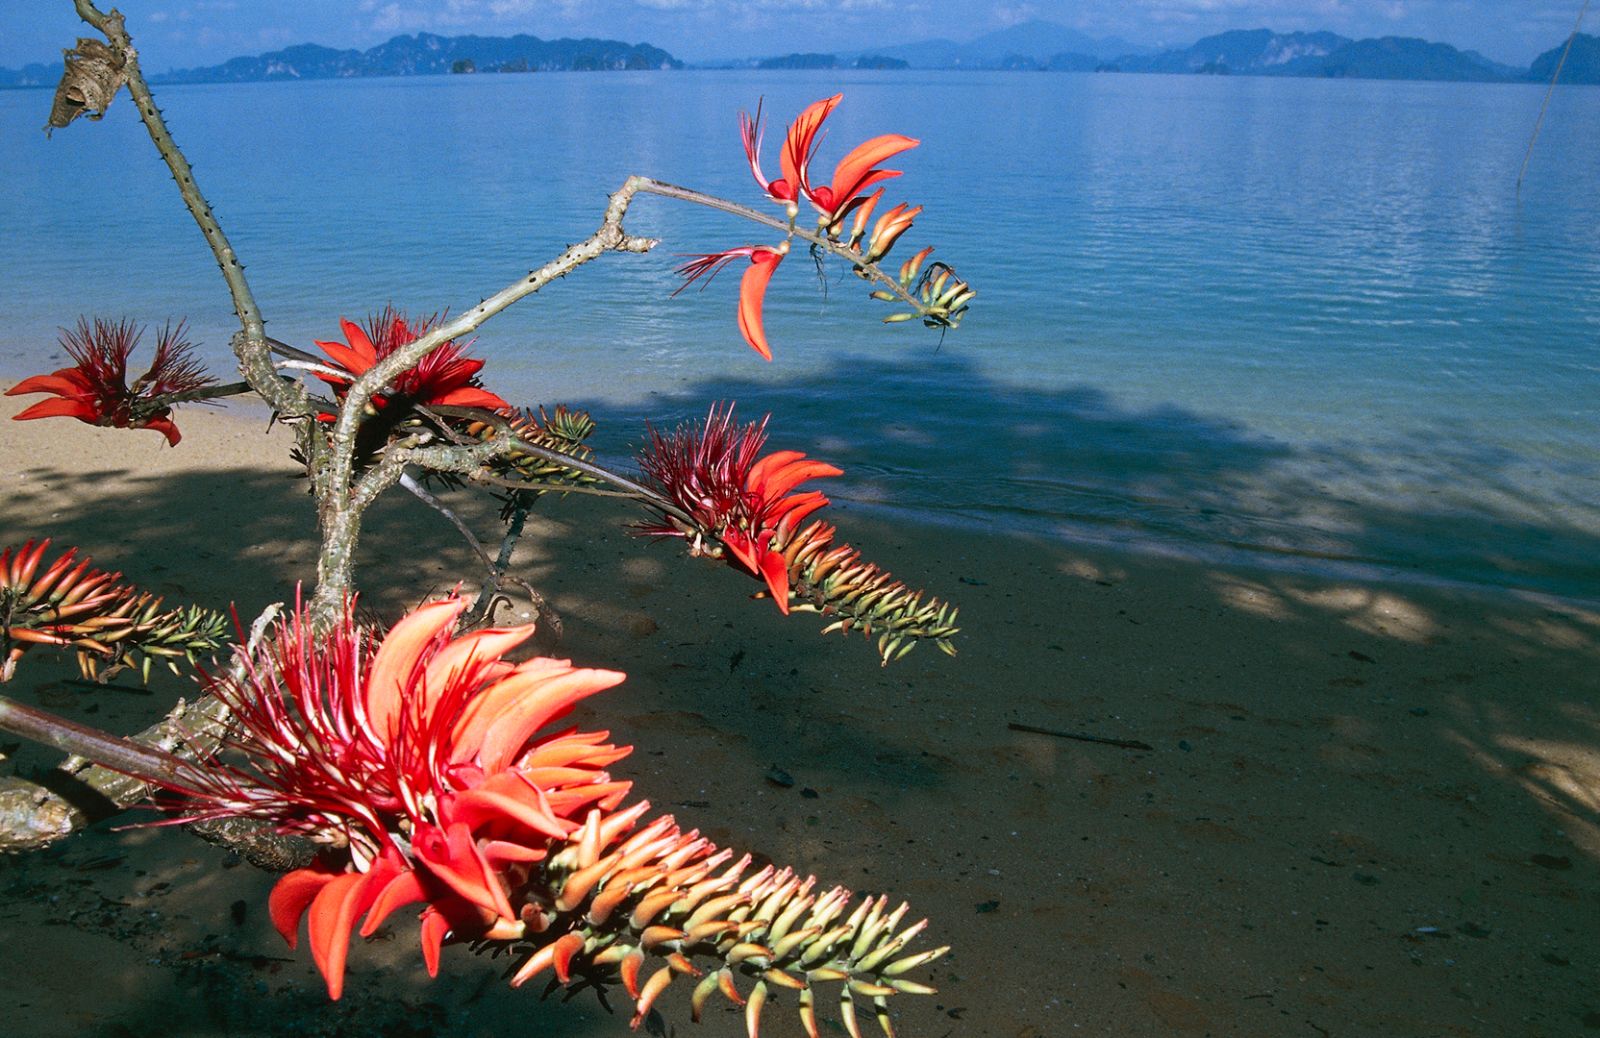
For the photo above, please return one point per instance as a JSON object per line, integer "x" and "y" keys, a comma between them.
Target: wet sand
{"x": 1365, "y": 810}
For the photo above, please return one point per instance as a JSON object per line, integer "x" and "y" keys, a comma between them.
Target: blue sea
{"x": 1305, "y": 323}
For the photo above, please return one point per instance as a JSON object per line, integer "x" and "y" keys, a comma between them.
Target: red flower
{"x": 95, "y": 389}
{"x": 752, "y": 286}
{"x": 444, "y": 376}
{"x": 856, "y": 172}
{"x": 417, "y": 754}
{"x": 712, "y": 473}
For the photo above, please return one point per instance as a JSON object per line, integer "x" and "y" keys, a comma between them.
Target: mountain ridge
{"x": 429, "y": 54}
{"x": 1029, "y": 46}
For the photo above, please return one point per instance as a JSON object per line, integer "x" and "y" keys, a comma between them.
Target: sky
{"x": 189, "y": 33}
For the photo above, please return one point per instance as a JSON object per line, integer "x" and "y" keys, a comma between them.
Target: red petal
{"x": 452, "y": 857}
{"x": 471, "y": 396}
{"x": 850, "y": 176}
{"x": 356, "y": 336}
{"x": 290, "y": 896}
{"x": 344, "y": 357}
{"x": 801, "y": 140}
{"x": 774, "y": 478}
{"x": 742, "y": 547}
{"x": 166, "y": 428}
{"x": 331, "y": 921}
{"x": 875, "y": 177}
{"x": 796, "y": 508}
{"x": 515, "y": 708}
{"x": 480, "y": 714}
{"x": 499, "y": 853}
{"x": 775, "y": 571}
{"x": 62, "y": 383}
{"x": 752, "y": 293}
{"x": 395, "y": 662}
{"x": 400, "y": 889}
{"x": 59, "y": 408}
{"x": 435, "y": 928}
{"x": 575, "y": 800}
{"x": 478, "y": 806}
{"x": 471, "y": 659}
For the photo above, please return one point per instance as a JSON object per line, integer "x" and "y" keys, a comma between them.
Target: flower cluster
{"x": 844, "y": 220}
{"x": 444, "y": 376}
{"x": 95, "y": 388}
{"x": 415, "y": 757}
{"x": 73, "y": 605}
{"x": 739, "y": 504}
{"x": 419, "y": 759}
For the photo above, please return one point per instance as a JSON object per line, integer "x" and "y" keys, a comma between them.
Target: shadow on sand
{"x": 1373, "y": 806}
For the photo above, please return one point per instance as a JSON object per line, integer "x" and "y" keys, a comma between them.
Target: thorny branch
{"x": 341, "y": 502}
{"x": 255, "y": 359}
{"x": 32, "y": 815}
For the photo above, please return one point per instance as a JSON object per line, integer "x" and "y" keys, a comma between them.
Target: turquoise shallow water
{"x": 1310, "y": 322}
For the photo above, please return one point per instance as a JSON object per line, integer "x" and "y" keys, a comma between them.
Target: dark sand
{"x": 1368, "y": 810}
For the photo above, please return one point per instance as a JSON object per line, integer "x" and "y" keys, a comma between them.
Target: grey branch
{"x": 255, "y": 359}
{"x": 340, "y": 497}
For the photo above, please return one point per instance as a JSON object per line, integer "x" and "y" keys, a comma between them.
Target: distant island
{"x": 1048, "y": 47}
{"x": 424, "y": 54}
{"x": 1031, "y": 46}
{"x": 823, "y": 61}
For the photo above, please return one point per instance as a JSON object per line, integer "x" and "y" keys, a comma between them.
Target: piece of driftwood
{"x": 1124, "y": 744}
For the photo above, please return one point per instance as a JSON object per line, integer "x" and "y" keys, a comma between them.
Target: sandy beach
{"x": 1365, "y": 809}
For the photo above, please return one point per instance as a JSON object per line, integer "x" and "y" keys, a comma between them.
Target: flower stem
{"x": 115, "y": 752}
{"x": 203, "y": 393}
{"x": 872, "y": 270}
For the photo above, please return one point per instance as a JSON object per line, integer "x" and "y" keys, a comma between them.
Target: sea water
{"x": 1312, "y": 323}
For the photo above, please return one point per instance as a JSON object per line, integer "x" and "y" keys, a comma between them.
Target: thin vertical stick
{"x": 1552, "y": 89}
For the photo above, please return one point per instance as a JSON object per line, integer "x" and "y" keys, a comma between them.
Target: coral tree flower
{"x": 95, "y": 388}
{"x": 857, "y": 172}
{"x": 752, "y": 286}
{"x": 417, "y": 757}
{"x": 854, "y": 174}
{"x": 743, "y": 502}
{"x": 444, "y": 376}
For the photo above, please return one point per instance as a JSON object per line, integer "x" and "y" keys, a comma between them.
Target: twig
{"x": 818, "y": 241}
{"x": 202, "y": 394}
{"x": 479, "y": 613}
{"x": 1528, "y": 156}
{"x": 1125, "y": 744}
{"x": 532, "y": 487}
{"x": 511, "y": 443}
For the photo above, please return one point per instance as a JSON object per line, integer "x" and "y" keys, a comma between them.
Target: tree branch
{"x": 872, "y": 271}
{"x": 341, "y": 505}
{"x": 255, "y": 360}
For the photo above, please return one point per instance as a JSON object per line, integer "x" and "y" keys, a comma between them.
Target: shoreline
{"x": 1367, "y": 809}
{"x": 1099, "y": 534}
